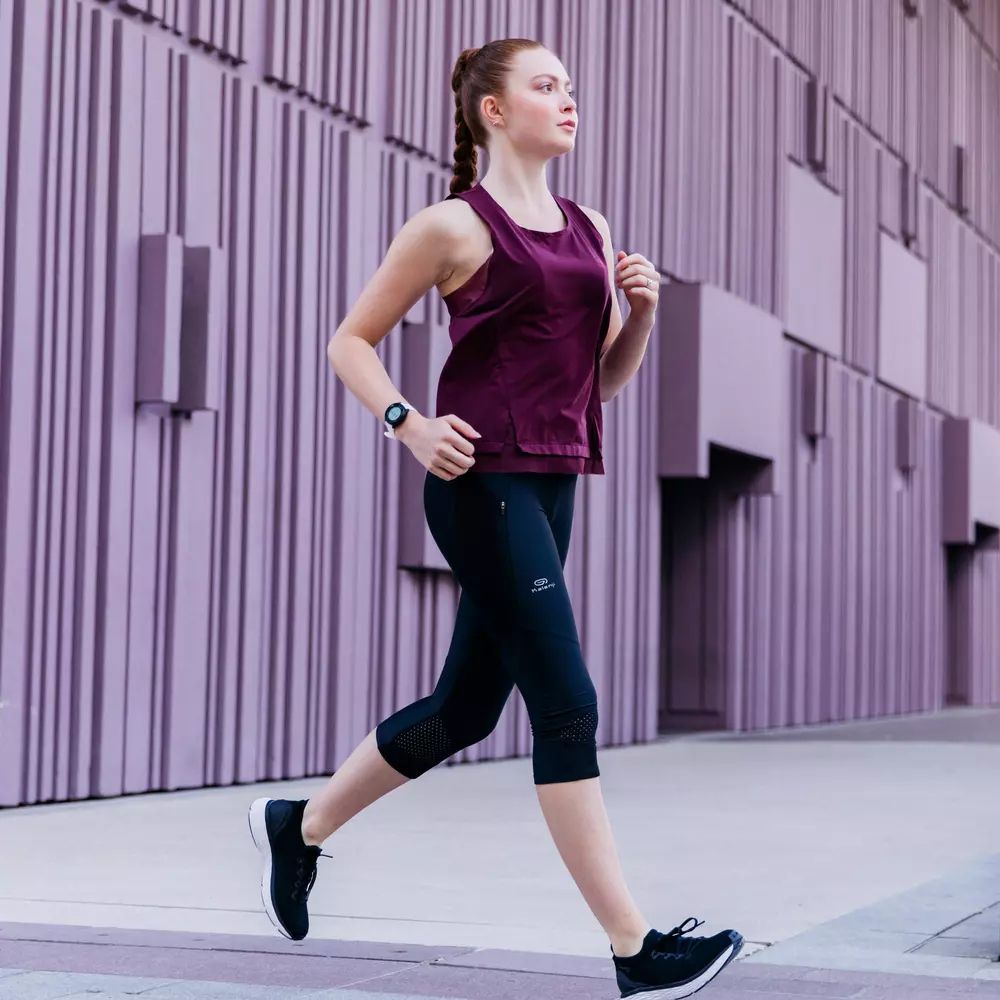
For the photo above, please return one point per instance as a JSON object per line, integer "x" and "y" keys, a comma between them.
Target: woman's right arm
{"x": 422, "y": 254}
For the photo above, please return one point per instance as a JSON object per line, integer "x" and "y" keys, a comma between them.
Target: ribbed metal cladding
{"x": 215, "y": 568}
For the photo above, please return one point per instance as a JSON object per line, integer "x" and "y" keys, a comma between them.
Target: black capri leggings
{"x": 505, "y": 536}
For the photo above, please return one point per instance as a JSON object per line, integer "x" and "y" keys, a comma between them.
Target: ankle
{"x": 628, "y": 945}
{"x": 308, "y": 830}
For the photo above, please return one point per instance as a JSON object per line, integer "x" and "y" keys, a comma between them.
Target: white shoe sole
{"x": 258, "y": 830}
{"x": 686, "y": 989}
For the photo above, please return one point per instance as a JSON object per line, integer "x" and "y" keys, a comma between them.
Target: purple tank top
{"x": 526, "y": 332}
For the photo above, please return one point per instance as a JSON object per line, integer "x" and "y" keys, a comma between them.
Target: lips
{"x": 567, "y": 125}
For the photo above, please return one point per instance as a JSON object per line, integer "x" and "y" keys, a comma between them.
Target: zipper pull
{"x": 503, "y": 506}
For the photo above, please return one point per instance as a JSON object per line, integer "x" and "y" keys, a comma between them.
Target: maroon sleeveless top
{"x": 526, "y": 332}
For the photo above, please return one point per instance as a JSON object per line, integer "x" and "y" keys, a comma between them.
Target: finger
{"x": 634, "y": 268}
{"x": 462, "y": 425}
{"x": 631, "y": 258}
{"x": 638, "y": 284}
{"x": 459, "y": 457}
{"x": 460, "y": 443}
{"x": 639, "y": 279}
{"x": 448, "y": 468}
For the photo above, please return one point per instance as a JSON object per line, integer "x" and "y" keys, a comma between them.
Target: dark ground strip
{"x": 403, "y": 970}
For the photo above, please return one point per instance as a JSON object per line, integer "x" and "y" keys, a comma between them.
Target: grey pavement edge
{"x": 744, "y": 981}
{"x": 947, "y": 927}
{"x": 33, "y": 985}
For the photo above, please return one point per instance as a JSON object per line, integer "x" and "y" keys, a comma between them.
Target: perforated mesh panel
{"x": 427, "y": 740}
{"x": 581, "y": 729}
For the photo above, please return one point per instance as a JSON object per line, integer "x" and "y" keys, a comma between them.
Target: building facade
{"x": 214, "y": 568}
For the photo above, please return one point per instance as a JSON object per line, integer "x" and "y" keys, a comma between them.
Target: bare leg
{"x": 573, "y": 810}
{"x": 578, "y": 822}
{"x": 364, "y": 777}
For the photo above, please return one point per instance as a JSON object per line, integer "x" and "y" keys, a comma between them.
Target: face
{"x": 539, "y": 96}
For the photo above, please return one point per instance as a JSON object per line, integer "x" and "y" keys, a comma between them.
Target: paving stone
{"x": 203, "y": 990}
{"x": 986, "y": 923}
{"x": 919, "y": 991}
{"x": 726, "y": 992}
{"x": 454, "y": 982}
{"x": 758, "y": 988}
{"x": 100, "y": 995}
{"x": 371, "y": 995}
{"x": 36, "y": 985}
{"x": 958, "y": 947}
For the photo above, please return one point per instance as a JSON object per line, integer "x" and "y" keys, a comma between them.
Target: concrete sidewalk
{"x": 174, "y": 966}
{"x": 777, "y": 835}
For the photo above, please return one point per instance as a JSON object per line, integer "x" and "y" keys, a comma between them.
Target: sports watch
{"x": 395, "y": 414}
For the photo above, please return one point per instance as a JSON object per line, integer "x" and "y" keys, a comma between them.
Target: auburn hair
{"x": 477, "y": 73}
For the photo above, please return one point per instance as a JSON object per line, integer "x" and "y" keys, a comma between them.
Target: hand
{"x": 437, "y": 444}
{"x": 631, "y": 273}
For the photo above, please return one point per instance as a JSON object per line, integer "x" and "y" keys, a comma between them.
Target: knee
{"x": 565, "y": 744}
{"x": 414, "y": 743}
{"x": 469, "y": 734}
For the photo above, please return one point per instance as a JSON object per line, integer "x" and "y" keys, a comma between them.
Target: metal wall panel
{"x": 822, "y": 602}
{"x": 210, "y": 592}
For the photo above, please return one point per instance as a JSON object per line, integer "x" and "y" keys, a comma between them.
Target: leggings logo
{"x": 542, "y": 583}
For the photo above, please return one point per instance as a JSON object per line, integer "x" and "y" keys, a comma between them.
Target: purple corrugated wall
{"x": 214, "y": 567}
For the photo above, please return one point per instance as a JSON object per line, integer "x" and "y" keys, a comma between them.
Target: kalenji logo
{"x": 542, "y": 583}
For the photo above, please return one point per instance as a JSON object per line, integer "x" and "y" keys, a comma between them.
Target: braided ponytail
{"x": 478, "y": 72}
{"x": 466, "y": 159}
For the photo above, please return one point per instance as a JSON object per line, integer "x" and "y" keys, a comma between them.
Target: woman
{"x": 527, "y": 279}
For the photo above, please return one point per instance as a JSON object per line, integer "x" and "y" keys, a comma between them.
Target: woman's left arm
{"x": 625, "y": 343}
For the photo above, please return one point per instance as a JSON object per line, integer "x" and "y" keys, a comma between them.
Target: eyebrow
{"x": 551, "y": 76}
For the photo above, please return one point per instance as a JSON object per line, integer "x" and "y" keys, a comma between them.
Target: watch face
{"x": 394, "y": 412}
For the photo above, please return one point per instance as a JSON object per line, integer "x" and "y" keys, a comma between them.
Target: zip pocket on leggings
{"x": 507, "y": 555}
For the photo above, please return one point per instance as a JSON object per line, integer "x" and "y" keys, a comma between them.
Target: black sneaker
{"x": 673, "y": 965}
{"x": 289, "y": 863}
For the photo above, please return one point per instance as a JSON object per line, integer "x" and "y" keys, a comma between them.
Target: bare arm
{"x": 619, "y": 365}
{"x": 419, "y": 257}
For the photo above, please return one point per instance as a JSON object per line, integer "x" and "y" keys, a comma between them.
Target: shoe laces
{"x": 305, "y": 873}
{"x": 674, "y": 943}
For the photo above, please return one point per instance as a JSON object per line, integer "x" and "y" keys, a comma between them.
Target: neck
{"x": 519, "y": 184}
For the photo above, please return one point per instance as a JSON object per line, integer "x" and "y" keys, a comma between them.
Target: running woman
{"x": 538, "y": 344}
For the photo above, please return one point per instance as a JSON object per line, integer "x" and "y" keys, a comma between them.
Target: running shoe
{"x": 674, "y": 965}
{"x": 288, "y": 863}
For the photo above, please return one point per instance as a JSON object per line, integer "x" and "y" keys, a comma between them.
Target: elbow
{"x": 333, "y": 350}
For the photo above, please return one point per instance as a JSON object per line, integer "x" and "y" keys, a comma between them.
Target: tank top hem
{"x": 514, "y": 461}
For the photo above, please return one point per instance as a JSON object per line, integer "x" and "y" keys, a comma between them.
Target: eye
{"x": 572, "y": 93}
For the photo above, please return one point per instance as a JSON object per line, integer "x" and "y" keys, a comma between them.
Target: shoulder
{"x": 447, "y": 229}
{"x": 443, "y": 220}
{"x": 598, "y": 220}
{"x": 453, "y": 222}
{"x": 600, "y": 226}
